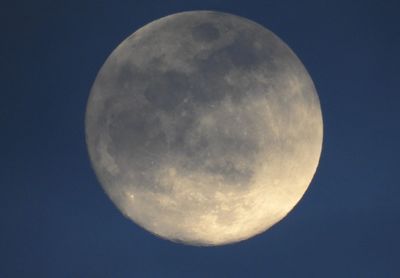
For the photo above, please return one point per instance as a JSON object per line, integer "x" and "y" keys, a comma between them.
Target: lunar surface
{"x": 204, "y": 128}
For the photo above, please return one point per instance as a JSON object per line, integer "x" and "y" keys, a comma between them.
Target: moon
{"x": 204, "y": 128}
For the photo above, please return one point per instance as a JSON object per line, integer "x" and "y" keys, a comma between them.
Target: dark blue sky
{"x": 57, "y": 222}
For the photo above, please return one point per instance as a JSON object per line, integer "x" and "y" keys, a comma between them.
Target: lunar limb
{"x": 204, "y": 128}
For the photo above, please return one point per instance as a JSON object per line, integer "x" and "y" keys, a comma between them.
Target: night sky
{"x": 56, "y": 221}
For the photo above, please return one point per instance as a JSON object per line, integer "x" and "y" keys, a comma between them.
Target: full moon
{"x": 204, "y": 128}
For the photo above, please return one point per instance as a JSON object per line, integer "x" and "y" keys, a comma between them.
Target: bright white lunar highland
{"x": 204, "y": 128}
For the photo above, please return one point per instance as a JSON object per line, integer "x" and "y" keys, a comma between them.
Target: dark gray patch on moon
{"x": 168, "y": 90}
{"x": 205, "y": 32}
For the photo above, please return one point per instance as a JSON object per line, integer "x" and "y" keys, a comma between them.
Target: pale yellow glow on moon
{"x": 196, "y": 143}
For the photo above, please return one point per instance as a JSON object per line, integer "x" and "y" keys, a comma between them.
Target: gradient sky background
{"x": 57, "y": 222}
